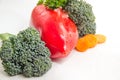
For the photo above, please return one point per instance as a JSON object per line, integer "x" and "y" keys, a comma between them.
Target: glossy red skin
{"x": 56, "y": 29}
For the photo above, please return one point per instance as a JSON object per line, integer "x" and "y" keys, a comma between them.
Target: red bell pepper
{"x": 57, "y": 30}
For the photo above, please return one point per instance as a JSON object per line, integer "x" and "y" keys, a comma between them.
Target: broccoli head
{"x": 25, "y": 54}
{"x": 82, "y": 15}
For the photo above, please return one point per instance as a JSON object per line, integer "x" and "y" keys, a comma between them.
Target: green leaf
{"x": 53, "y": 4}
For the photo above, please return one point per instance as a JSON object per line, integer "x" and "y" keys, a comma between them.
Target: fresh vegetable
{"x": 25, "y": 54}
{"x": 82, "y": 14}
{"x": 5, "y": 36}
{"x": 53, "y": 4}
{"x": 100, "y": 38}
{"x": 57, "y": 30}
{"x": 89, "y": 41}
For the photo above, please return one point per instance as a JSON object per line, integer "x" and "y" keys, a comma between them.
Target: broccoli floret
{"x": 81, "y": 13}
{"x": 25, "y": 54}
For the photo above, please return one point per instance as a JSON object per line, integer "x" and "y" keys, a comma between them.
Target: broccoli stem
{"x": 5, "y": 36}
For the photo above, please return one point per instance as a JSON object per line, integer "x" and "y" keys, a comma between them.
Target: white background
{"x": 99, "y": 63}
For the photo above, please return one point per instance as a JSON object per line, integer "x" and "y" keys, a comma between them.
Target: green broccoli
{"x": 25, "y": 53}
{"x": 81, "y": 13}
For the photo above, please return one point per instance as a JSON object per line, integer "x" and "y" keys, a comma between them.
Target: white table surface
{"x": 99, "y": 63}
